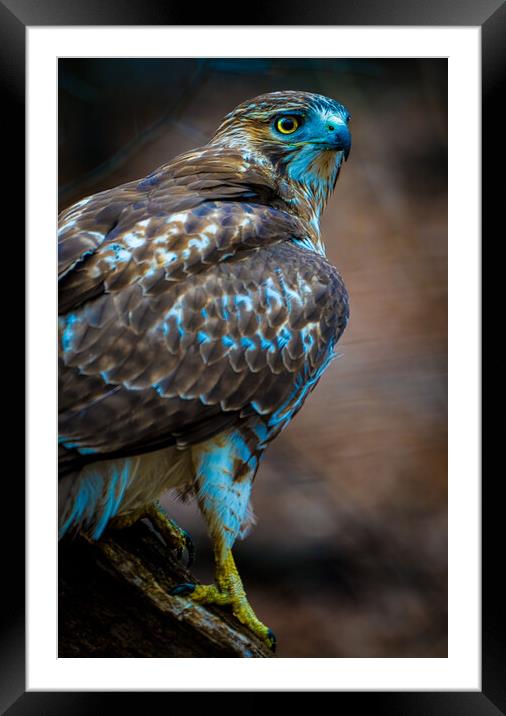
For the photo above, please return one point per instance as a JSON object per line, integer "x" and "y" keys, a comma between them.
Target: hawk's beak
{"x": 339, "y": 135}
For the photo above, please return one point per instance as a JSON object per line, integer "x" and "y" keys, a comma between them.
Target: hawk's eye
{"x": 287, "y": 125}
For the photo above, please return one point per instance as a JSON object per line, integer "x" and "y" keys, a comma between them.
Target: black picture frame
{"x": 490, "y": 15}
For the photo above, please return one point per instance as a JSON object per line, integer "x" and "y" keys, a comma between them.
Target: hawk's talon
{"x": 189, "y": 546}
{"x": 271, "y": 640}
{"x": 171, "y": 532}
{"x": 182, "y": 590}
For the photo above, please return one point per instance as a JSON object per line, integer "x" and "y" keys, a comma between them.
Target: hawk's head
{"x": 304, "y": 135}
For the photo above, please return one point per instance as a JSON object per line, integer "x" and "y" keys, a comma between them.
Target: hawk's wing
{"x": 102, "y": 235}
{"x": 178, "y": 324}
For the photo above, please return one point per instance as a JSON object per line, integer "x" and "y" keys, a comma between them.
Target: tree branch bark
{"x": 114, "y": 601}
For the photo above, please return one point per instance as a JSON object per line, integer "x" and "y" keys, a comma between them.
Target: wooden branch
{"x": 114, "y": 601}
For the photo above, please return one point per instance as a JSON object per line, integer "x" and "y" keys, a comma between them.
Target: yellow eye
{"x": 287, "y": 125}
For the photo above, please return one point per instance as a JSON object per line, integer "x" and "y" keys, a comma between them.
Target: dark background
{"x": 350, "y": 554}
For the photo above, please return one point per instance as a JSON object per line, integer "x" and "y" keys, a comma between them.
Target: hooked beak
{"x": 339, "y": 136}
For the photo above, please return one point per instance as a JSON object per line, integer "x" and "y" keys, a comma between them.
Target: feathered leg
{"x": 225, "y": 468}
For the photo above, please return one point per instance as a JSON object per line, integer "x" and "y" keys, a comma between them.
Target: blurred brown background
{"x": 349, "y": 557}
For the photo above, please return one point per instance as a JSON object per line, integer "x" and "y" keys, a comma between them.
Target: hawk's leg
{"x": 174, "y": 535}
{"x": 228, "y": 590}
{"x": 225, "y": 467}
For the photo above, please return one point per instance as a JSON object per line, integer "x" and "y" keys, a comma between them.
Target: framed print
{"x": 366, "y": 558}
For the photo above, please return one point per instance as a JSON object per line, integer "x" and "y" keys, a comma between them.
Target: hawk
{"x": 197, "y": 311}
